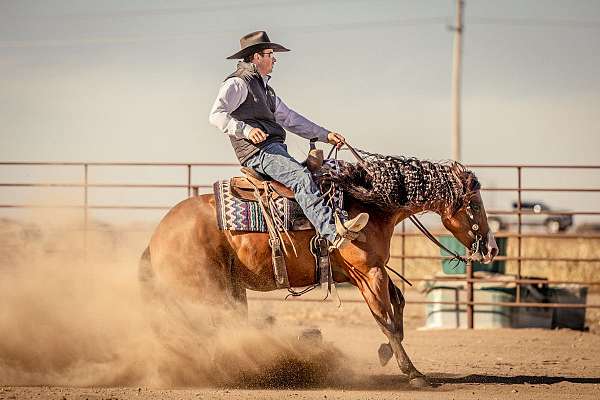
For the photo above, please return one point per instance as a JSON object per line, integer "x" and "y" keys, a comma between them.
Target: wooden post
{"x": 456, "y": 81}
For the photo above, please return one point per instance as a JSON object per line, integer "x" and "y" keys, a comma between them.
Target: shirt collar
{"x": 266, "y": 79}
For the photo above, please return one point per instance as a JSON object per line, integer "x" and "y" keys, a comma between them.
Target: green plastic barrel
{"x": 452, "y": 267}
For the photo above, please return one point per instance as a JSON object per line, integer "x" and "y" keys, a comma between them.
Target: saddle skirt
{"x": 237, "y": 212}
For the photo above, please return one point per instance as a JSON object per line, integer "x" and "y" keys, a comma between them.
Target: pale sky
{"x": 134, "y": 80}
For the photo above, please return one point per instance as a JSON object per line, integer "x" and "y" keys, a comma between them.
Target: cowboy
{"x": 256, "y": 119}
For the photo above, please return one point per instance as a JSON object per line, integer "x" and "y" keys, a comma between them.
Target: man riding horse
{"x": 256, "y": 119}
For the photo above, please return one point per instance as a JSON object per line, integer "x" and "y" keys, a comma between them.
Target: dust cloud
{"x": 70, "y": 317}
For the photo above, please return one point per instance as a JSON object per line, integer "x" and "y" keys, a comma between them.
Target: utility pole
{"x": 456, "y": 80}
{"x": 456, "y": 142}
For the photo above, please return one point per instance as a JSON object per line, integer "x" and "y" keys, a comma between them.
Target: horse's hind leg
{"x": 194, "y": 290}
{"x": 238, "y": 301}
{"x": 386, "y": 308}
{"x": 209, "y": 291}
{"x": 192, "y": 260}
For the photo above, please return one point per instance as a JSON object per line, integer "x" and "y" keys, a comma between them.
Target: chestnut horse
{"x": 189, "y": 258}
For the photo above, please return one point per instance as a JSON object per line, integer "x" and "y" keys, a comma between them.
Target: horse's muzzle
{"x": 491, "y": 248}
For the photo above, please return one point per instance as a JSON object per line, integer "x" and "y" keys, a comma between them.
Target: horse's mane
{"x": 393, "y": 182}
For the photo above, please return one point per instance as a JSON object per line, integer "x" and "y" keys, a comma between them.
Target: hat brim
{"x": 255, "y": 48}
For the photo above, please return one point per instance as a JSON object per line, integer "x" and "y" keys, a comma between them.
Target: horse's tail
{"x": 146, "y": 275}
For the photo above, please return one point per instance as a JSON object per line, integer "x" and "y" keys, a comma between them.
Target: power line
{"x": 352, "y": 25}
{"x": 399, "y": 22}
{"x": 208, "y": 7}
{"x": 124, "y": 39}
{"x": 534, "y": 22}
{"x": 211, "y": 7}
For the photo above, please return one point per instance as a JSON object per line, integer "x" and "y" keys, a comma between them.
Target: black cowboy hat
{"x": 255, "y": 42}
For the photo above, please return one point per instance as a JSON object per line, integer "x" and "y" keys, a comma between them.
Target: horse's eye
{"x": 475, "y": 207}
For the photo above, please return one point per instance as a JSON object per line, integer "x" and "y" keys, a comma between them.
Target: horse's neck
{"x": 386, "y": 221}
{"x": 402, "y": 214}
{"x": 381, "y": 227}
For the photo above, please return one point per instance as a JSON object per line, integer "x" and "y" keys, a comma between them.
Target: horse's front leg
{"x": 398, "y": 303}
{"x": 386, "y": 307}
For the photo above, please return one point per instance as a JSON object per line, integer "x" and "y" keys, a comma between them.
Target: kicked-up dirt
{"x": 75, "y": 328}
{"x": 459, "y": 364}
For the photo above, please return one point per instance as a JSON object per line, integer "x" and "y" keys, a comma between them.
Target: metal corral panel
{"x": 455, "y": 316}
{"x": 450, "y": 316}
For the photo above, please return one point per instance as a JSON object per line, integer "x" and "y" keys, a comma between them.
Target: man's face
{"x": 264, "y": 61}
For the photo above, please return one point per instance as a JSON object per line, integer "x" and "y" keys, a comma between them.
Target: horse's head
{"x": 408, "y": 185}
{"x": 467, "y": 221}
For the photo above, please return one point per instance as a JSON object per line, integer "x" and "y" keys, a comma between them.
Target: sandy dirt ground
{"x": 459, "y": 364}
{"x": 73, "y": 326}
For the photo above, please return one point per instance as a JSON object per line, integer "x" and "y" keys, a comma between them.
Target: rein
{"x": 430, "y": 236}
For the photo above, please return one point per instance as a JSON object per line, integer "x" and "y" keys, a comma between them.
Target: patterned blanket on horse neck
{"x": 235, "y": 214}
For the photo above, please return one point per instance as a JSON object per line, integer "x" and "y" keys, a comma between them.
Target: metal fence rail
{"x": 85, "y": 183}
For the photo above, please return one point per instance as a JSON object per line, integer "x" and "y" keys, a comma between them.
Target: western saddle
{"x": 244, "y": 187}
{"x": 254, "y": 186}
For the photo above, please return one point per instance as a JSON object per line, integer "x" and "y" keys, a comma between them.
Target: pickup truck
{"x": 534, "y": 214}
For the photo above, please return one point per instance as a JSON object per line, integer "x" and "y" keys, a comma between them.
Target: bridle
{"x": 473, "y": 232}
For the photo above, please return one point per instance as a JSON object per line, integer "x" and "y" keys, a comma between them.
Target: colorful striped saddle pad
{"x": 235, "y": 214}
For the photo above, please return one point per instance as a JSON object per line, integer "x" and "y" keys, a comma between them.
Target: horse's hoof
{"x": 311, "y": 336}
{"x": 385, "y": 353}
{"x": 418, "y": 382}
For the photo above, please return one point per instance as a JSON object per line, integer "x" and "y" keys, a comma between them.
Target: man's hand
{"x": 257, "y": 135}
{"x": 336, "y": 138}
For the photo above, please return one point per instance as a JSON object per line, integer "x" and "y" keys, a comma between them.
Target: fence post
{"x": 470, "y": 306}
{"x": 85, "y": 211}
{"x": 189, "y": 180}
{"x": 519, "y": 232}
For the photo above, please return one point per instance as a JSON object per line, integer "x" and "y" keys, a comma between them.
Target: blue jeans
{"x": 274, "y": 161}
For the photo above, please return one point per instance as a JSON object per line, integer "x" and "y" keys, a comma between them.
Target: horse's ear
{"x": 470, "y": 182}
{"x": 470, "y": 186}
{"x": 473, "y": 183}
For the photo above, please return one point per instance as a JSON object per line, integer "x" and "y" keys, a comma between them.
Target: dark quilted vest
{"x": 257, "y": 111}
